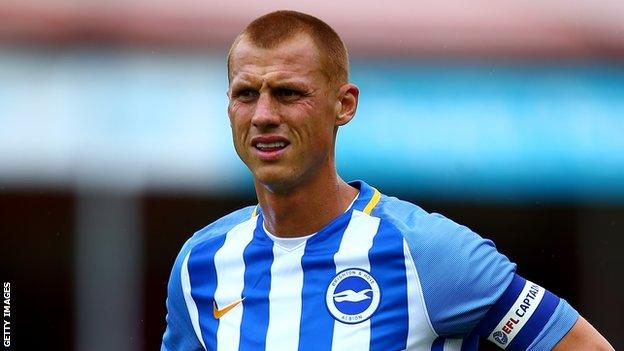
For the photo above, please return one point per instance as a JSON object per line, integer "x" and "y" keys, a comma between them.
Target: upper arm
{"x": 527, "y": 317}
{"x": 461, "y": 273}
{"x": 582, "y": 337}
{"x": 179, "y": 334}
{"x": 472, "y": 289}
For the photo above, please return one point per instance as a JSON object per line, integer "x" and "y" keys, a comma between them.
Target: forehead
{"x": 298, "y": 56}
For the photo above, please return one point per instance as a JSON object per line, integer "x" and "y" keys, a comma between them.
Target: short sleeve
{"x": 179, "y": 334}
{"x": 462, "y": 275}
{"x": 470, "y": 289}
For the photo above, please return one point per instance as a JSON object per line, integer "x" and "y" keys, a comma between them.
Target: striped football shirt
{"x": 385, "y": 275}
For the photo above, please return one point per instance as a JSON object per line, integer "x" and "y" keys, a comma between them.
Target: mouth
{"x": 272, "y": 146}
{"x": 269, "y": 148}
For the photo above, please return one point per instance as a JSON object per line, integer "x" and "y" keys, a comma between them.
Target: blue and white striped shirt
{"x": 385, "y": 275}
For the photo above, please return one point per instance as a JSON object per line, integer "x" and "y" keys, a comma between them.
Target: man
{"x": 321, "y": 264}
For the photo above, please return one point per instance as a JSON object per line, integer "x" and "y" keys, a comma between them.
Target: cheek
{"x": 238, "y": 120}
{"x": 320, "y": 130}
{"x": 233, "y": 111}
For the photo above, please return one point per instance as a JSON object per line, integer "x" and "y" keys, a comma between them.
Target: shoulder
{"x": 434, "y": 239}
{"x": 218, "y": 228}
{"x": 461, "y": 273}
{"x": 180, "y": 334}
{"x": 420, "y": 228}
{"x": 212, "y": 234}
{"x": 208, "y": 236}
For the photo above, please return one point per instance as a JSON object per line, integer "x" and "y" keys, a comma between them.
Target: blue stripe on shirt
{"x": 470, "y": 343}
{"x": 365, "y": 195}
{"x": 317, "y": 324}
{"x": 438, "y": 344}
{"x": 203, "y": 278}
{"x": 258, "y": 257}
{"x": 501, "y": 307}
{"x": 389, "y": 323}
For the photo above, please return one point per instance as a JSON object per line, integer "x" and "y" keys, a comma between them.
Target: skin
{"x": 583, "y": 337}
{"x": 282, "y": 92}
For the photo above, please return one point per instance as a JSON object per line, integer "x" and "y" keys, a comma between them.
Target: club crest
{"x": 352, "y": 296}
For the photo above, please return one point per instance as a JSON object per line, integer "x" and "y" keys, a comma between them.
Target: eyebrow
{"x": 294, "y": 84}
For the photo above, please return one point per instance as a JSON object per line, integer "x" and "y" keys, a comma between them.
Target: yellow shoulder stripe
{"x": 373, "y": 201}
{"x": 369, "y": 206}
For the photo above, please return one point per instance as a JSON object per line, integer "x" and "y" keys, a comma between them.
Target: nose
{"x": 266, "y": 112}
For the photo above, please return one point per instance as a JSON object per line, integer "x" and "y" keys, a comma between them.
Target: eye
{"x": 288, "y": 94}
{"x": 245, "y": 94}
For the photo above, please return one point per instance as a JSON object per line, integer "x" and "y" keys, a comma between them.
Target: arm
{"x": 481, "y": 287}
{"x": 583, "y": 336}
{"x": 179, "y": 334}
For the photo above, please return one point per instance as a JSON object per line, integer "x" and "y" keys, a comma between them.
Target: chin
{"x": 275, "y": 178}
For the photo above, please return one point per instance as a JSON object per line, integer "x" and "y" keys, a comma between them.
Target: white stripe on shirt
{"x": 284, "y": 310}
{"x": 230, "y": 268}
{"x": 188, "y": 298}
{"x": 353, "y": 253}
{"x": 453, "y": 344}
{"x": 419, "y": 337}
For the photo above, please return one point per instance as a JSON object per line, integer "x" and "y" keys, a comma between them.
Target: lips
{"x": 269, "y": 148}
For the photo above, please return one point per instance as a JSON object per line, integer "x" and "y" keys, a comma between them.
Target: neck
{"x": 306, "y": 208}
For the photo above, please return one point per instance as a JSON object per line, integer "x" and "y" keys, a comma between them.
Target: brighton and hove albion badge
{"x": 353, "y": 296}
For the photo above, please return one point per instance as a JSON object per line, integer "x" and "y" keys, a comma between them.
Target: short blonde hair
{"x": 275, "y": 28}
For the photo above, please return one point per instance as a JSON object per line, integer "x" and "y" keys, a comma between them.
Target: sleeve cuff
{"x": 557, "y": 327}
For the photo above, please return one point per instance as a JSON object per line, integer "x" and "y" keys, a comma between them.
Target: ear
{"x": 347, "y": 102}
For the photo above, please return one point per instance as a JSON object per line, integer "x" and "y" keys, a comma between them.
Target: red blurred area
{"x": 530, "y": 29}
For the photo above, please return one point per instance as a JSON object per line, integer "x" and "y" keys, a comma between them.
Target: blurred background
{"x": 115, "y": 145}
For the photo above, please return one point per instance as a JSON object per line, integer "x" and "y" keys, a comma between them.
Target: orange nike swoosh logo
{"x": 218, "y": 313}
